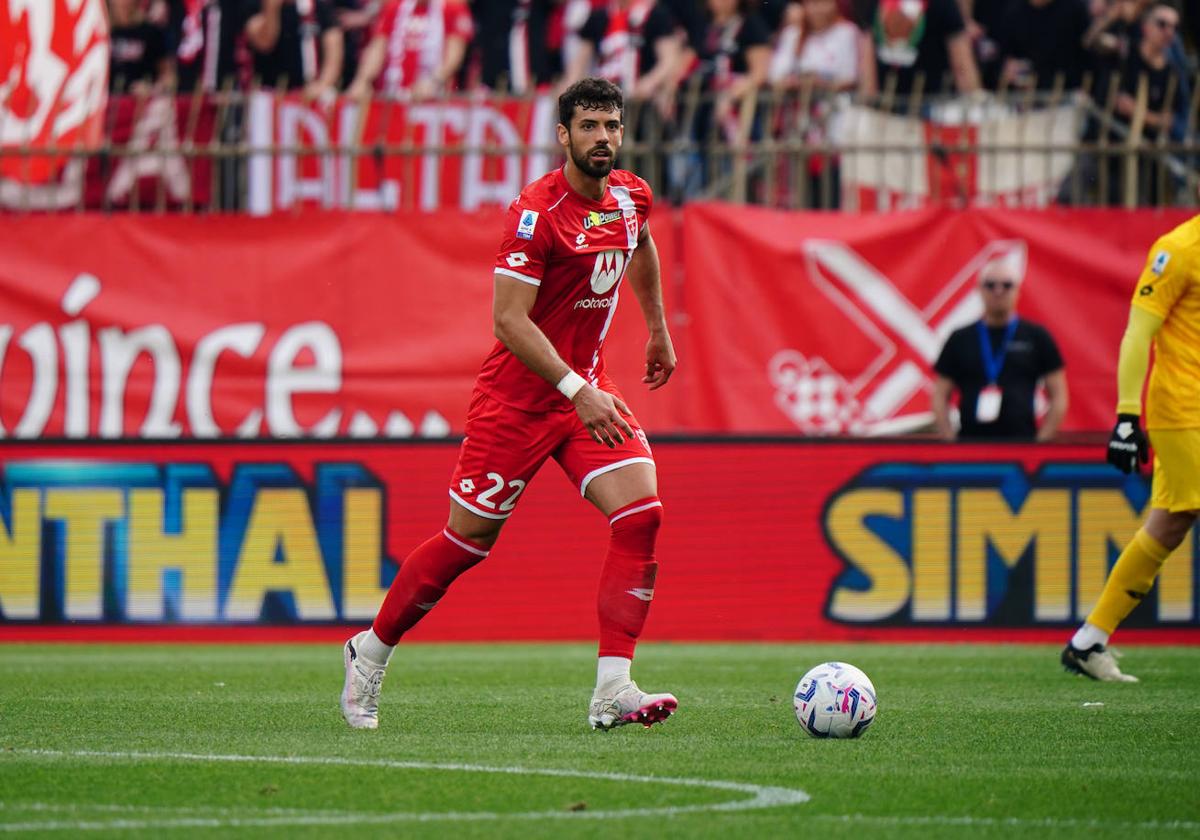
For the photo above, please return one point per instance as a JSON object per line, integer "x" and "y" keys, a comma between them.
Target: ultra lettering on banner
{"x": 424, "y": 156}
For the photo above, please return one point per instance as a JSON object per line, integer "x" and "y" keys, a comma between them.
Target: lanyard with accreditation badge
{"x": 987, "y": 406}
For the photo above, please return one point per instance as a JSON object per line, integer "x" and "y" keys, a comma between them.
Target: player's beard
{"x": 594, "y": 169}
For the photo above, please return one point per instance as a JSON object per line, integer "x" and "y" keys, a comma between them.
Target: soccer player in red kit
{"x": 569, "y": 240}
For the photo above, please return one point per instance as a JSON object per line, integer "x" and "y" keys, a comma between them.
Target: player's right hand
{"x": 1128, "y": 448}
{"x": 601, "y": 414}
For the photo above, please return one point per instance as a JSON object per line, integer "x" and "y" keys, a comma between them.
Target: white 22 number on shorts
{"x": 498, "y": 484}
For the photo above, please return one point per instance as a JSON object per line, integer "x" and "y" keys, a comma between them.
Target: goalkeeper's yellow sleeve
{"x": 1134, "y": 360}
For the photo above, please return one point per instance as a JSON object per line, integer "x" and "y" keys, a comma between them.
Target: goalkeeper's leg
{"x": 1174, "y": 504}
{"x": 1128, "y": 583}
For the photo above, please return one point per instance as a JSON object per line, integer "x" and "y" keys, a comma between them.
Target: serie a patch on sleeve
{"x": 1160, "y": 263}
{"x": 527, "y": 224}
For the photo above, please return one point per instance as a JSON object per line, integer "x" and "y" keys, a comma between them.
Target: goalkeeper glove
{"x": 1128, "y": 447}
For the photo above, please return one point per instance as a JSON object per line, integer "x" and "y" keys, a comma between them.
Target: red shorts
{"x": 505, "y": 446}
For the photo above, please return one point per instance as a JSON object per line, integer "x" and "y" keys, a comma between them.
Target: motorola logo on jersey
{"x": 608, "y": 270}
{"x": 595, "y": 303}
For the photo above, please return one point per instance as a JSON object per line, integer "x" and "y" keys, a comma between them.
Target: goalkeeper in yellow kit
{"x": 1165, "y": 312}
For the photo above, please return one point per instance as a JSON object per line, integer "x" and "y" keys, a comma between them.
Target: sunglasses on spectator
{"x": 1163, "y": 23}
{"x": 998, "y": 285}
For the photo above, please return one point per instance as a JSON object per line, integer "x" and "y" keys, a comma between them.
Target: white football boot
{"x": 622, "y": 702}
{"x": 360, "y": 694}
{"x": 1097, "y": 662}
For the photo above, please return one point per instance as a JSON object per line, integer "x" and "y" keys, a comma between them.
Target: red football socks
{"x": 422, "y": 580}
{"x": 627, "y": 578}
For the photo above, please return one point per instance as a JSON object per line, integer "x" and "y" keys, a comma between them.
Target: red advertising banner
{"x": 766, "y": 541}
{"x": 54, "y": 67}
{"x": 372, "y": 325}
{"x": 829, "y": 324}
{"x": 429, "y": 155}
{"x": 170, "y": 326}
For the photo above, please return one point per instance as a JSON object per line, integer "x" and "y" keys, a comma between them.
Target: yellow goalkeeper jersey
{"x": 1170, "y": 288}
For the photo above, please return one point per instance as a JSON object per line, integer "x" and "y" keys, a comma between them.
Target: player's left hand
{"x": 1128, "y": 448}
{"x": 603, "y": 415}
{"x": 660, "y": 360}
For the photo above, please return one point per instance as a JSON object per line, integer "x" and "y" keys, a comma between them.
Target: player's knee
{"x": 480, "y": 531}
{"x": 1169, "y": 529}
{"x": 637, "y": 524}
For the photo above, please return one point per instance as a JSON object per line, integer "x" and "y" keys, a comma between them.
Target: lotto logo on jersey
{"x": 608, "y": 270}
{"x": 527, "y": 224}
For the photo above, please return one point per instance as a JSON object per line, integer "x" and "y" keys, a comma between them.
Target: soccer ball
{"x": 835, "y": 700}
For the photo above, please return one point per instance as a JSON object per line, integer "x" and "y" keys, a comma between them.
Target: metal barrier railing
{"x": 262, "y": 151}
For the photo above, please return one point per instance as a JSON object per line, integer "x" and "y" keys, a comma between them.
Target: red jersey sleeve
{"x": 525, "y": 247}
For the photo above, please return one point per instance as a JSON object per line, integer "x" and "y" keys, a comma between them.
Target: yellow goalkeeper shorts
{"x": 1176, "y": 484}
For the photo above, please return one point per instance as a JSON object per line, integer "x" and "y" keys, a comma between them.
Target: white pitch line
{"x": 347, "y": 817}
{"x": 761, "y": 796}
{"x": 1005, "y": 822}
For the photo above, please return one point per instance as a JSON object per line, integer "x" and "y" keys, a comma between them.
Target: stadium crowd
{"x": 650, "y": 47}
{"x": 891, "y": 53}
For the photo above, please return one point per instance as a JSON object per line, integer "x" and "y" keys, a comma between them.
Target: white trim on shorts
{"x": 599, "y": 471}
{"x": 476, "y": 510}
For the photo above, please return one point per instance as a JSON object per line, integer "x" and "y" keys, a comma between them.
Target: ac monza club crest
{"x": 631, "y": 225}
{"x": 53, "y": 82}
{"x": 877, "y": 380}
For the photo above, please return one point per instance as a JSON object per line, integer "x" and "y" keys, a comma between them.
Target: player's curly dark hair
{"x": 590, "y": 93}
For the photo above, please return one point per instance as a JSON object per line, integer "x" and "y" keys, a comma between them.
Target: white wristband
{"x": 570, "y": 384}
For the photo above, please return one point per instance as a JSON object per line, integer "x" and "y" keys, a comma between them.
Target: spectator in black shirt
{"x": 690, "y": 15}
{"x": 736, "y": 55}
{"x": 1148, "y": 63}
{"x": 138, "y": 61}
{"x": 354, "y": 18}
{"x": 203, "y": 35}
{"x": 985, "y": 23}
{"x": 296, "y": 44}
{"x": 635, "y": 45}
{"x": 1109, "y": 38}
{"x": 1043, "y": 40}
{"x": 996, "y": 364}
{"x": 911, "y": 38}
{"x": 495, "y": 30}
{"x": 1149, "y": 58}
{"x": 520, "y": 43}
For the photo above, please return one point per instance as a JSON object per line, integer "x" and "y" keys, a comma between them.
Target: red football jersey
{"x": 575, "y": 251}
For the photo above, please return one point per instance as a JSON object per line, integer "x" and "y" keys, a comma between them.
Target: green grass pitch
{"x": 247, "y": 741}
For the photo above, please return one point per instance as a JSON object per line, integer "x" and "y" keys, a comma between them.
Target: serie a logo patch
{"x": 1160, "y": 263}
{"x": 527, "y": 224}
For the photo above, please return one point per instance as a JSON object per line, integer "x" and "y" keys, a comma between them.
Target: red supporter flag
{"x": 54, "y": 72}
